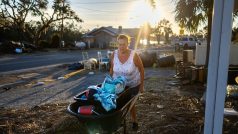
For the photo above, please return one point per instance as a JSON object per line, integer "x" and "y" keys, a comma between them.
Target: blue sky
{"x": 125, "y": 13}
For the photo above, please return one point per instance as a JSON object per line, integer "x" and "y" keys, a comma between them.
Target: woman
{"x": 125, "y": 62}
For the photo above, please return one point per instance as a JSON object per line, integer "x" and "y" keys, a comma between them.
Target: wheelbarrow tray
{"x": 78, "y": 97}
{"x": 105, "y": 122}
{"x": 85, "y": 101}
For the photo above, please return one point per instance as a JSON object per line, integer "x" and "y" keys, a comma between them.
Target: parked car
{"x": 186, "y": 43}
{"x": 17, "y": 47}
{"x": 81, "y": 45}
{"x": 28, "y": 47}
{"x": 10, "y": 47}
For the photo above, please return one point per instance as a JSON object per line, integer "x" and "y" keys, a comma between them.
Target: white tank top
{"x": 127, "y": 69}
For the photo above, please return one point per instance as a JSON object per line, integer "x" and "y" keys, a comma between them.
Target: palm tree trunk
{"x": 209, "y": 32}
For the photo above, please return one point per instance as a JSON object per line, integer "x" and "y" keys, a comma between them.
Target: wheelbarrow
{"x": 105, "y": 122}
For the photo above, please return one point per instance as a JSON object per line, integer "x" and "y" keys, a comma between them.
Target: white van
{"x": 187, "y": 42}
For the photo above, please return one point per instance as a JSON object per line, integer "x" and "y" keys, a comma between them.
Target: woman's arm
{"x": 139, "y": 64}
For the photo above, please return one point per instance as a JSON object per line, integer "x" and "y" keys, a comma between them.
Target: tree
{"x": 61, "y": 11}
{"x": 72, "y": 32}
{"x": 167, "y": 31}
{"x": 146, "y": 30}
{"x": 191, "y": 14}
{"x": 164, "y": 26}
{"x": 16, "y": 11}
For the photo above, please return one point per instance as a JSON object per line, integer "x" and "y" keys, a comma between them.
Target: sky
{"x": 125, "y": 13}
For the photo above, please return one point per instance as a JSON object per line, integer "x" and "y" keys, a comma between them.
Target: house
{"x": 104, "y": 37}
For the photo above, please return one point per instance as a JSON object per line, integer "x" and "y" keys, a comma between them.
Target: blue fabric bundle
{"x": 114, "y": 86}
{"x": 107, "y": 100}
{"x": 107, "y": 94}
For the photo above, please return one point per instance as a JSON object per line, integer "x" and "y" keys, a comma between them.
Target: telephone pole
{"x": 62, "y": 24}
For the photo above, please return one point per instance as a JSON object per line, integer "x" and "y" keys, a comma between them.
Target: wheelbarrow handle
{"x": 129, "y": 105}
{"x": 134, "y": 101}
{"x": 95, "y": 112}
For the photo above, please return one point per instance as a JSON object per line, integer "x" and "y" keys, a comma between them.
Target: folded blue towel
{"x": 107, "y": 95}
{"x": 116, "y": 85}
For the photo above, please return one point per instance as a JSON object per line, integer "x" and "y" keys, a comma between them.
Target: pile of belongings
{"x": 232, "y": 96}
{"x": 75, "y": 66}
{"x": 232, "y": 91}
{"x": 107, "y": 93}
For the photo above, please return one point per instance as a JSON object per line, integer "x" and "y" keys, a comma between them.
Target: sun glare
{"x": 142, "y": 13}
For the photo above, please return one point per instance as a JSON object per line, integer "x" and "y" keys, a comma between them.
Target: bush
{"x": 6, "y": 48}
{"x": 44, "y": 44}
{"x": 69, "y": 45}
{"x": 55, "y": 41}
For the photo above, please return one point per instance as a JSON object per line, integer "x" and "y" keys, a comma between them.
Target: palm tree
{"x": 192, "y": 13}
{"x": 163, "y": 26}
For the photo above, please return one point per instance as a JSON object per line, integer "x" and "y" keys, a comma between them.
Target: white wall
{"x": 200, "y": 55}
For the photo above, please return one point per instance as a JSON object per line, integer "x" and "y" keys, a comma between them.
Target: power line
{"x": 112, "y": 11}
{"x": 107, "y": 11}
{"x": 106, "y": 2}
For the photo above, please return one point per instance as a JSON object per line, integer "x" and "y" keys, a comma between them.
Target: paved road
{"x": 41, "y": 59}
{"x": 57, "y": 90}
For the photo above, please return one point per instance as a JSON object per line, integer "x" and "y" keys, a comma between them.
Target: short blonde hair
{"x": 124, "y": 36}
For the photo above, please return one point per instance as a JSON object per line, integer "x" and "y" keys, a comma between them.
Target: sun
{"x": 142, "y": 13}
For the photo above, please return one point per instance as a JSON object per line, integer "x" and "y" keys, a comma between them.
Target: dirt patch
{"x": 162, "y": 108}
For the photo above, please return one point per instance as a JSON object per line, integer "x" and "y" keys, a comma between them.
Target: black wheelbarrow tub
{"x": 78, "y": 97}
{"x": 85, "y": 101}
{"x": 105, "y": 122}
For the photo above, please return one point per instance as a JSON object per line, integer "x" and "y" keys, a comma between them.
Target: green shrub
{"x": 69, "y": 44}
{"x": 55, "y": 41}
{"x": 44, "y": 44}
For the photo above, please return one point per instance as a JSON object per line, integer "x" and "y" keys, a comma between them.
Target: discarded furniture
{"x": 232, "y": 74}
{"x": 166, "y": 61}
{"x": 148, "y": 58}
{"x": 75, "y": 66}
{"x": 109, "y": 54}
{"x": 232, "y": 97}
{"x": 102, "y": 61}
{"x": 86, "y": 61}
{"x": 184, "y": 67}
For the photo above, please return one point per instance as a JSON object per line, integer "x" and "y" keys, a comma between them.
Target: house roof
{"x": 108, "y": 30}
{"x": 113, "y": 31}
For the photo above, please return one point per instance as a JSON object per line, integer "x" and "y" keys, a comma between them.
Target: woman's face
{"x": 122, "y": 45}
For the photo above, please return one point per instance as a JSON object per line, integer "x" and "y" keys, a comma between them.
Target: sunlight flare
{"x": 142, "y": 13}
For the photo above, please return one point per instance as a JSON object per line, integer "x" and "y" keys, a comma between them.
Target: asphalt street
{"x": 40, "y": 86}
{"x": 19, "y": 62}
{"x": 41, "y": 59}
